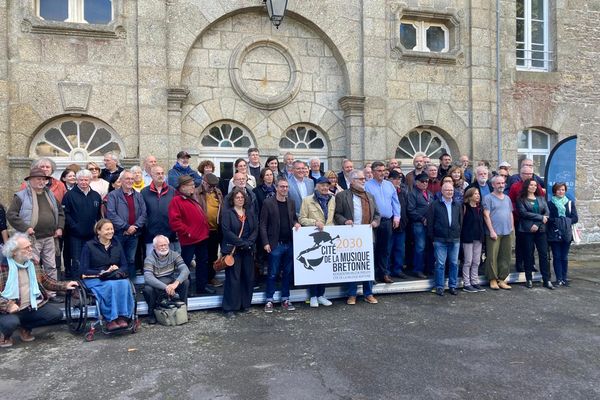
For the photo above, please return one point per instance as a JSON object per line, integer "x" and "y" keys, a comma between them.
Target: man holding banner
{"x": 318, "y": 210}
{"x": 356, "y": 206}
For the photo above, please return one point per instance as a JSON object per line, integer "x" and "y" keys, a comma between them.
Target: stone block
{"x": 218, "y": 58}
{"x": 211, "y": 39}
{"x": 30, "y": 49}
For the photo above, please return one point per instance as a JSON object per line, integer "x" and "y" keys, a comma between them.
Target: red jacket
{"x": 187, "y": 219}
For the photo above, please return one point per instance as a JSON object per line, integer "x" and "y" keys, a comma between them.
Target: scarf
{"x": 364, "y": 203}
{"x": 560, "y": 204}
{"x": 139, "y": 186}
{"x": 269, "y": 190}
{"x": 11, "y": 289}
{"x": 323, "y": 201}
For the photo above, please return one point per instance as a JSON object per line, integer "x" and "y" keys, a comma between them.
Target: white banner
{"x": 339, "y": 253}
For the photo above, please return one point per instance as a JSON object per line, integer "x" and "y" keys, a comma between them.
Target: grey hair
{"x": 113, "y": 156}
{"x": 495, "y": 178}
{"x": 419, "y": 154}
{"x": 83, "y": 173}
{"x": 481, "y": 168}
{"x": 135, "y": 168}
{"x": 526, "y": 169}
{"x": 354, "y": 173}
{"x": 37, "y": 163}
{"x": 157, "y": 237}
{"x": 125, "y": 171}
{"x": 11, "y": 246}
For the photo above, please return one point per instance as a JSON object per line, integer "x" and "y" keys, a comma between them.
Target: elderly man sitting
{"x": 24, "y": 292}
{"x": 165, "y": 274}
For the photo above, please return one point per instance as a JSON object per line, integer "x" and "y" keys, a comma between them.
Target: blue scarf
{"x": 11, "y": 290}
{"x": 268, "y": 189}
{"x": 560, "y": 203}
{"x": 322, "y": 200}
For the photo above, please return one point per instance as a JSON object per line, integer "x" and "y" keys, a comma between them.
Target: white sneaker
{"x": 314, "y": 302}
{"x": 323, "y": 301}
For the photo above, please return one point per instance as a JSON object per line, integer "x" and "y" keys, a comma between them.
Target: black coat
{"x": 438, "y": 228}
{"x": 559, "y": 228}
{"x": 403, "y": 199}
{"x": 81, "y": 212}
{"x": 157, "y": 213}
{"x": 96, "y": 258}
{"x": 417, "y": 206}
{"x": 270, "y": 221}
{"x": 473, "y": 227}
{"x": 528, "y": 218}
{"x": 231, "y": 226}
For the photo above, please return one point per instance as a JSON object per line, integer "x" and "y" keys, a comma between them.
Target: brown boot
{"x": 26, "y": 335}
{"x": 351, "y": 300}
{"x": 5, "y": 342}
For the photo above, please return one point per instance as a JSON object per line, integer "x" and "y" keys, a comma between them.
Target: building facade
{"x": 359, "y": 79}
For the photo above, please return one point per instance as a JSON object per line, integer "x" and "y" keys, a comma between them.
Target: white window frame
{"x": 421, "y": 35}
{"x": 400, "y": 152}
{"x": 75, "y": 11}
{"x": 220, "y": 155}
{"x": 528, "y": 44}
{"x": 306, "y": 154}
{"x": 529, "y": 152}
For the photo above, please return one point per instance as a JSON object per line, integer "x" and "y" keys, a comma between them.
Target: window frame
{"x": 407, "y": 161}
{"x": 306, "y": 154}
{"x": 529, "y": 152}
{"x": 421, "y": 28}
{"x": 527, "y": 39}
{"x": 75, "y": 12}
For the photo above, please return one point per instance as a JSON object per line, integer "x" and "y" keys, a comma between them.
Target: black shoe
{"x": 566, "y": 283}
{"x": 57, "y": 299}
{"x": 208, "y": 290}
{"x": 151, "y": 320}
{"x": 421, "y": 275}
{"x": 439, "y": 291}
{"x": 549, "y": 285}
{"x": 453, "y": 291}
{"x": 401, "y": 275}
{"x": 229, "y": 314}
{"x": 529, "y": 284}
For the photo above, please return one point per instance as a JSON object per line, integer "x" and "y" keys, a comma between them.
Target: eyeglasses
{"x": 360, "y": 179}
{"x": 94, "y": 169}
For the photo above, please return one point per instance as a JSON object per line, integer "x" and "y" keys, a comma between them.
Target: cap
{"x": 183, "y": 154}
{"x": 36, "y": 173}
{"x": 422, "y": 177}
{"x": 211, "y": 179}
{"x": 394, "y": 175}
{"x": 504, "y": 164}
{"x": 183, "y": 179}
{"x": 323, "y": 180}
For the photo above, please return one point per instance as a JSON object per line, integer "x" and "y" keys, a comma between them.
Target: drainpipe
{"x": 498, "y": 97}
{"x": 470, "y": 102}
{"x": 137, "y": 74}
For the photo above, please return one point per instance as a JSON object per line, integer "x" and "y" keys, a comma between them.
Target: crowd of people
{"x": 107, "y": 225}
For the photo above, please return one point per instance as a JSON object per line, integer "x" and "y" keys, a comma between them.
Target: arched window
{"x": 305, "y": 142}
{"x": 222, "y": 143}
{"x": 75, "y": 140}
{"x": 535, "y": 145}
{"x": 421, "y": 140}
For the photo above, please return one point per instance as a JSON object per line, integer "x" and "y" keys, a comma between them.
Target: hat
{"x": 422, "y": 177}
{"x": 36, "y": 173}
{"x": 183, "y": 154}
{"x": 504, "y": 164}
{"x": 211, "y": 179}
{"x": 394, "y": 174}
{"x": 183, "y": 179}
{"x": 323, "y": 180}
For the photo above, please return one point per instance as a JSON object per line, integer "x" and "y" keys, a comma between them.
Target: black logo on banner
{"x": 313, "y": 256}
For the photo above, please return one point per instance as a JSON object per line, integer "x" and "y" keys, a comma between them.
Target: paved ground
{"x": 535, "y": 344}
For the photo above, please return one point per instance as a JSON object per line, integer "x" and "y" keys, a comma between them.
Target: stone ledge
{"x": 536, "y": 76}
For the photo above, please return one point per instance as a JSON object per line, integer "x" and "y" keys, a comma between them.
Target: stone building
{"x": 359, "y": 79}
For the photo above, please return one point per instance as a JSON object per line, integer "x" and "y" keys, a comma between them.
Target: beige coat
{"x": 310, "y": 212}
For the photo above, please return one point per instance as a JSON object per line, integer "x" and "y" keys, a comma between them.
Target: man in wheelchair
{"x": 165, "y": 275}
{"x": 24, "y": 292}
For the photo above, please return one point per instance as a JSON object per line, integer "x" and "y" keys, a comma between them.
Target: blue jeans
{"x": 398, "y": 251}
{"x": 129, "y": 244}
{"x": 282, "y": 254}
{"x": 200, "y": 251}
{"x": 383, "y": 247}
{"x": 366, "y": 285}
{"x": 420, "y": 237}
{"x": 316, "y": 290}
{"x": 443, "y": 251}
{"x": 560, "y": 259}
{"x": 75, "y": 246}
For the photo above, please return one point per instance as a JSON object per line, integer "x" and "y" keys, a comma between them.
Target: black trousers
{"x": 29, "y": 319}
{"x": 540, "y": 242}
{"x": 214, "y": 238}
{"x": 152, "y": 295}
{"x": 239, "y": 282}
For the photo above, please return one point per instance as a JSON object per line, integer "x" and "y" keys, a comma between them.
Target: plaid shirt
{"x": 44, "y": 281}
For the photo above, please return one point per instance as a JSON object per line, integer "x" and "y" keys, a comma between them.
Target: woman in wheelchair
{"x": 100, "y": 270}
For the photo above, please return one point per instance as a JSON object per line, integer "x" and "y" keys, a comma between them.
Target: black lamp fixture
{"x": 276, "y": 10}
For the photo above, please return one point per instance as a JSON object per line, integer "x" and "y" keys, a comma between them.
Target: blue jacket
{"x": 294, "y": 192}
{"x": 81, "y": 212}
{"x": 559, "y": 228}
{"x": 118, "y": 212}
{"x": 157, "y": 212}
{"x": 417, "y": 205}
{"x": 178, "y": 170}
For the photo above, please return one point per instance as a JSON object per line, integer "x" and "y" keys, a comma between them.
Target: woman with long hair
{"x": 471, "y": 237}
{"x": 533, "y": 218}
{"x": 334, "y": 187}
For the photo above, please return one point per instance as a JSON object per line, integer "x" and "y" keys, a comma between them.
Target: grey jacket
{"x": 118, "y": 212}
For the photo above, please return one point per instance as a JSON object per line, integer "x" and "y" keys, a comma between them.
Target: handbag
{"x": 113, "y": 275}
{"x": 575, "y": 230}
{"x": 227, "y": 260}
{"x": 171, "y": 313}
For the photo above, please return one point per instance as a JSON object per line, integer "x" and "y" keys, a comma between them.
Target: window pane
{"x": 101, "y": 137}
{"x": 520, "y": 30}
{"x": 408, "y": 36}
{"x": 209, "y": 141}
{"x": 436, "y": 38}
{"x": 537, "y": 32}
{"x": 54, "y": 10}
{"x": 317, "y": 144}
{"x": 86, "y": 129}
{"x": 520, "y": 8}
{"x": 286, "y": 143}
{"x": 97, "y": 11}
{"x": 522, "y": 140}
{"x": 537, "y": 9}
{"x": 425, "y": 139}
{"x": 539, "y": 164}
{"x": 54, "y": 136}
{"x": 539, "y": 140}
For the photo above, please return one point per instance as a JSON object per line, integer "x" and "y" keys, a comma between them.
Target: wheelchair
{"x": 77, "y": 303}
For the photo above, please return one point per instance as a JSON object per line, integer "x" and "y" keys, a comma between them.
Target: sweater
{"x": 159, "y": 267}
{"x": 81, "y": 212}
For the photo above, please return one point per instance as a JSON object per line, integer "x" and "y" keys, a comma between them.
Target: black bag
{"x": 113, "y": 275}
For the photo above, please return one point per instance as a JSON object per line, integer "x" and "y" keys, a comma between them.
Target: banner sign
{"x": 561, "y": 166}
{"x": 340, "y": 253}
